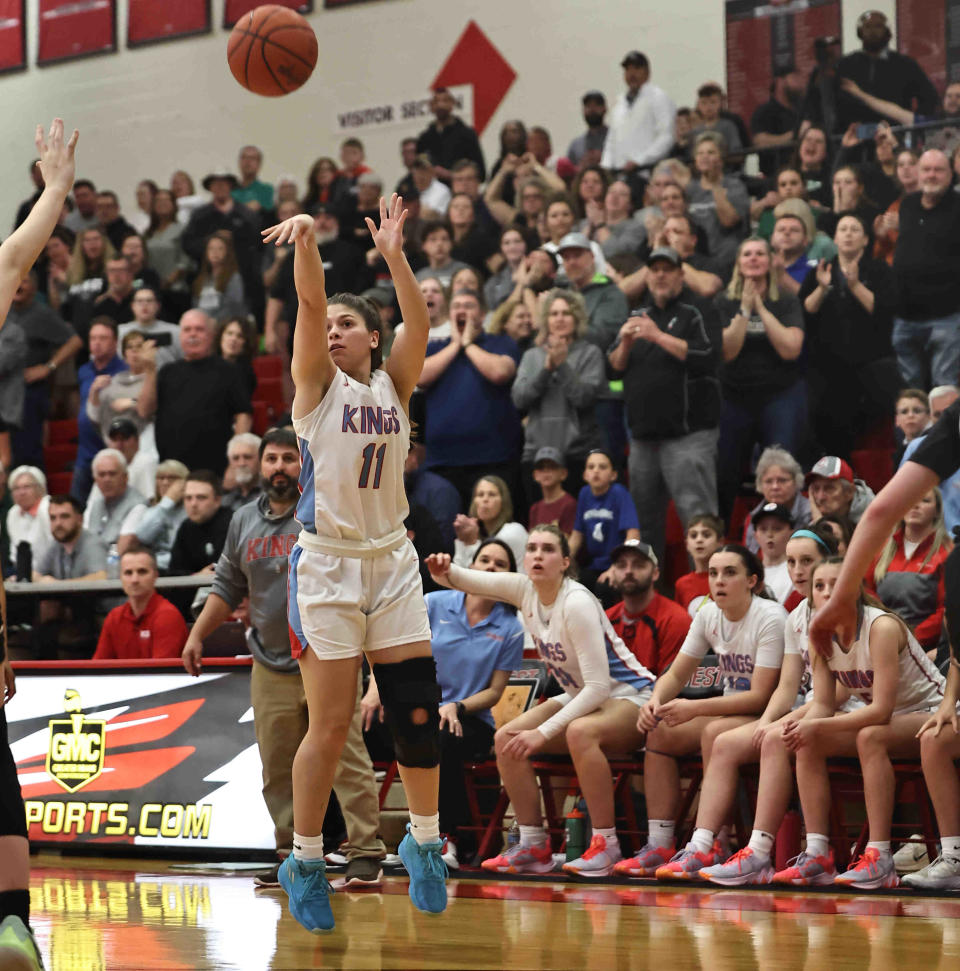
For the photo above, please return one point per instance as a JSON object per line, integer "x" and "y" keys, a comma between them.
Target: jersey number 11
{"x": 368, "y": 456}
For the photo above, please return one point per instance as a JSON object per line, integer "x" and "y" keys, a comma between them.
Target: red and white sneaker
{"x": 808, "y": 871}
{"x": 689, "y": 862}
{"x": 521, "y": 859}
{"x": 873, "y": 871}
{"x": 598, "y": 861}
{"x": 646, "y": 862}
{"x": 744, "y": 868}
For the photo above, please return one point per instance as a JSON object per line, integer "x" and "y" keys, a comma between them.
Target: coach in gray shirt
{"x": 254, "y": 563}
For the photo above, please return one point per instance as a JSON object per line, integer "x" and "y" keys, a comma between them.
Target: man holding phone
{"x": 164, "y": 335}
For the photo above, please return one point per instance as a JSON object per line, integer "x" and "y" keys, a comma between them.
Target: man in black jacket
{"x": 449, "y": 139}
{"x": 199, "y": 540}
{"x": 668, "y": 354}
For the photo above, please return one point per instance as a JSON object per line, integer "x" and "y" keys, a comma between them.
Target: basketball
{"x": 272, "y": 50}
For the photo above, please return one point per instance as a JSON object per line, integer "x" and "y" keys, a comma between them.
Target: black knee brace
{"x": 407, "y": 687}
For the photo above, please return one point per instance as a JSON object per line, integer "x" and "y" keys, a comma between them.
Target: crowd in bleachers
{"x": 644, "y": 340}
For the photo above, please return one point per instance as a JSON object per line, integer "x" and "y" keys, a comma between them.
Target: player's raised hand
{"x": 290, "y": 230}
{"x": 56, "y": 157}
{"x": 388, "y": 238}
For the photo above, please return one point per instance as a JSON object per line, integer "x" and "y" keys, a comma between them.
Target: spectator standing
{"x": 587, "y": 149}
{"x": 116, "y": 302}
{"x": 641, "y": 122}
{"x": 926, "y": 328}
{"x": 653, "y": 627}
{"x": 165, "y": 336}
{"x": 775, "y": 122}
{"x": 710, "y": 118}
{"x": 111, "y": 223}
{"x": 218, "y": 289}
{"x": 668, "y": 354}
{"x": 257, "y": 196}
{"x": 557, "y": 384}
{"x": 852, "y": 374}
{"x": 147, "y": 626}
{"x": 200, "y": 538}
{"x": 165, "y": 254}
{"x": 886, "y": 227}
{"x": 605, "y": 304}
{"x": 84, "y": 215}
{"x": 436, "y": 241}
{"x": 50, "y": 342}
{"x": 200, "y": 384}
{"x": 449, "y": 139}
{"x": 471, "y": 426}
{"x": 505, "y": 283}
{"x": 612, "y": 225}
{"x": 432, "y": 493}
{"x": 765, "y": 395}
{"x": 103, "y": 363}
{"x": 434, "y": 195}
{"x": 13, "y": 356}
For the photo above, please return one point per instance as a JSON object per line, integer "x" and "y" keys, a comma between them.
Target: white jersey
{"x": 573, "y": 636}
{"x": 353, "y": 446}
{"x": 754, "y": 641}
{"x": 919, "y": 683}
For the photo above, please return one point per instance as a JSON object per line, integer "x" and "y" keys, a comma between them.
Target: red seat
{"x": 874, "y": 466}
{"x": 268, "y": 367}
{"x": 59, "y": 458}
{"x": 261, "y": 417}
{"x": 58, "y": 484}
{"x": 878, "y": 435}
{"x": 62, "y": 432}
{"x": 741, "y": 509}
{"x": 269, "y": 390}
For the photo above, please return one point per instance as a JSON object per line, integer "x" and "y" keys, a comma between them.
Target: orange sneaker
{"x": 521, "y": 859}
{"x": 808, "y": 871}
{"x": 646, "y": 862}
{"x": 689, "y": 862}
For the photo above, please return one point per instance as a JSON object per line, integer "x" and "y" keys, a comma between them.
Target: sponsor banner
{"x": 233, "y": 10}
{"x": 764, "y": 36}
{"x": 139, "y": 756}
{"x": 156, "y": 20}
{"x": 13, "y": 35}
{"x": 76, "y": 28}
{"x": 412, "y": 114}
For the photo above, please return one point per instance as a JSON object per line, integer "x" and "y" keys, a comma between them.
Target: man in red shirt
{"x": 652, "y": 626}
{"x": 147, "y": 625}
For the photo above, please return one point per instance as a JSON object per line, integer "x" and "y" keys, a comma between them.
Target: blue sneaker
{"x": 305, "y": 882}
{"x": 428, "y": 873}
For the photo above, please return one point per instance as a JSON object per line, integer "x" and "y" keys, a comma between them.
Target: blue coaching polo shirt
{"x": 604, "y": 521}
{"x": 467, "y": 656}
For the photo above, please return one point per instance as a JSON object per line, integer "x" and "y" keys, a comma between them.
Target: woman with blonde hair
{"x": 765, "y": 395}
{"x": 87, "y": 269}
{"x": 908, "y": 574}
{"x": 490, "y": 515}
{"x": 557, "y": 384}
{"x": 160, "y": 522}
{"x": 514, "y": 319}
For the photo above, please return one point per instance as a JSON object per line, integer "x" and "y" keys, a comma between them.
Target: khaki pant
{"x": 280, "y": 722}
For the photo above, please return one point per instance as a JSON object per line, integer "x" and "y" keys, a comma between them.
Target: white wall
{"x": 143, "y": 113}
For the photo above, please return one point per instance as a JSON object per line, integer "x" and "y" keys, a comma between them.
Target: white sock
{"x": 533, "y": 836}
{"x": 817, "y": 844}
{"x": 882, "y": 846}
{"x": 610, "y": 835}
{"x": 761, "y": 843}
{"x": 661, "y": 832}
{"x": 702, "y": 839}
{"x": 425, "y": 829}
{"x": 307, "y": 847}
{"x": 950, "y": 846}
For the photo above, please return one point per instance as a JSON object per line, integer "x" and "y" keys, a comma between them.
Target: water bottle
{"x": 24, "y": 561}
{"x": 513, "y": 835}
{"x": 576, "y": 830}
{"x": 113, "y": 562}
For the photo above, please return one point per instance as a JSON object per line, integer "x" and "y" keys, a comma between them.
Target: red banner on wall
{"x": 156, "y": 20}
{"x": 13, "y": 45}
{"x": 76, "y": 28}
{"x": 233, "y": 10}
{"x": 764, "y": 36}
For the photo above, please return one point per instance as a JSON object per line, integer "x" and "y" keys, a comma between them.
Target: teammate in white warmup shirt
{"x": 604, "y": 685}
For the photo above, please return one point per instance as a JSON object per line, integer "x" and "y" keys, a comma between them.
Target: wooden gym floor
{"x": 114, "y": 915}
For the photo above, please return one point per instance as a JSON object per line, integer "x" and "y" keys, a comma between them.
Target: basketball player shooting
{"x": 354, "y": 579}
{"x": 17, "y": 254}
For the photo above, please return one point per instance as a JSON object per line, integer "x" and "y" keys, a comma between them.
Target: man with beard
{"x": 254, "y": 564}
{"x": 449, "y": 139}
{"x": 242, "y": 470}
{"x": 775, "y": 122}
{"x": 653, "y": 627}
{"x": 586, "y": 149}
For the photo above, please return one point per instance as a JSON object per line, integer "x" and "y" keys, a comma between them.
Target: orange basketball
{"x": 272, "y": 50}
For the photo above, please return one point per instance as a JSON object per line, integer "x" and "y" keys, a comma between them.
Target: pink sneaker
{"x": 872, "y": 871}
{"x": 645, "y": 863}
{"x": 521, "y": 859}
{"x": 808, "y": 871}
{"x": 598, "y": 861}
{"x": 743, "y": 868}
{"x": 689, "y": 862}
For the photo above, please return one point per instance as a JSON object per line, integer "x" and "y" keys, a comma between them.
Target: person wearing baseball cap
{"x": 586, "y": 149}
{"x": 835, "y": 491}
{"x": 667, "y": 354}
{"x": 651, "y": 625}
{"x": 641, "y": 128}
{"x": 773, "y": 525}
{"x": 557, "y": 507}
